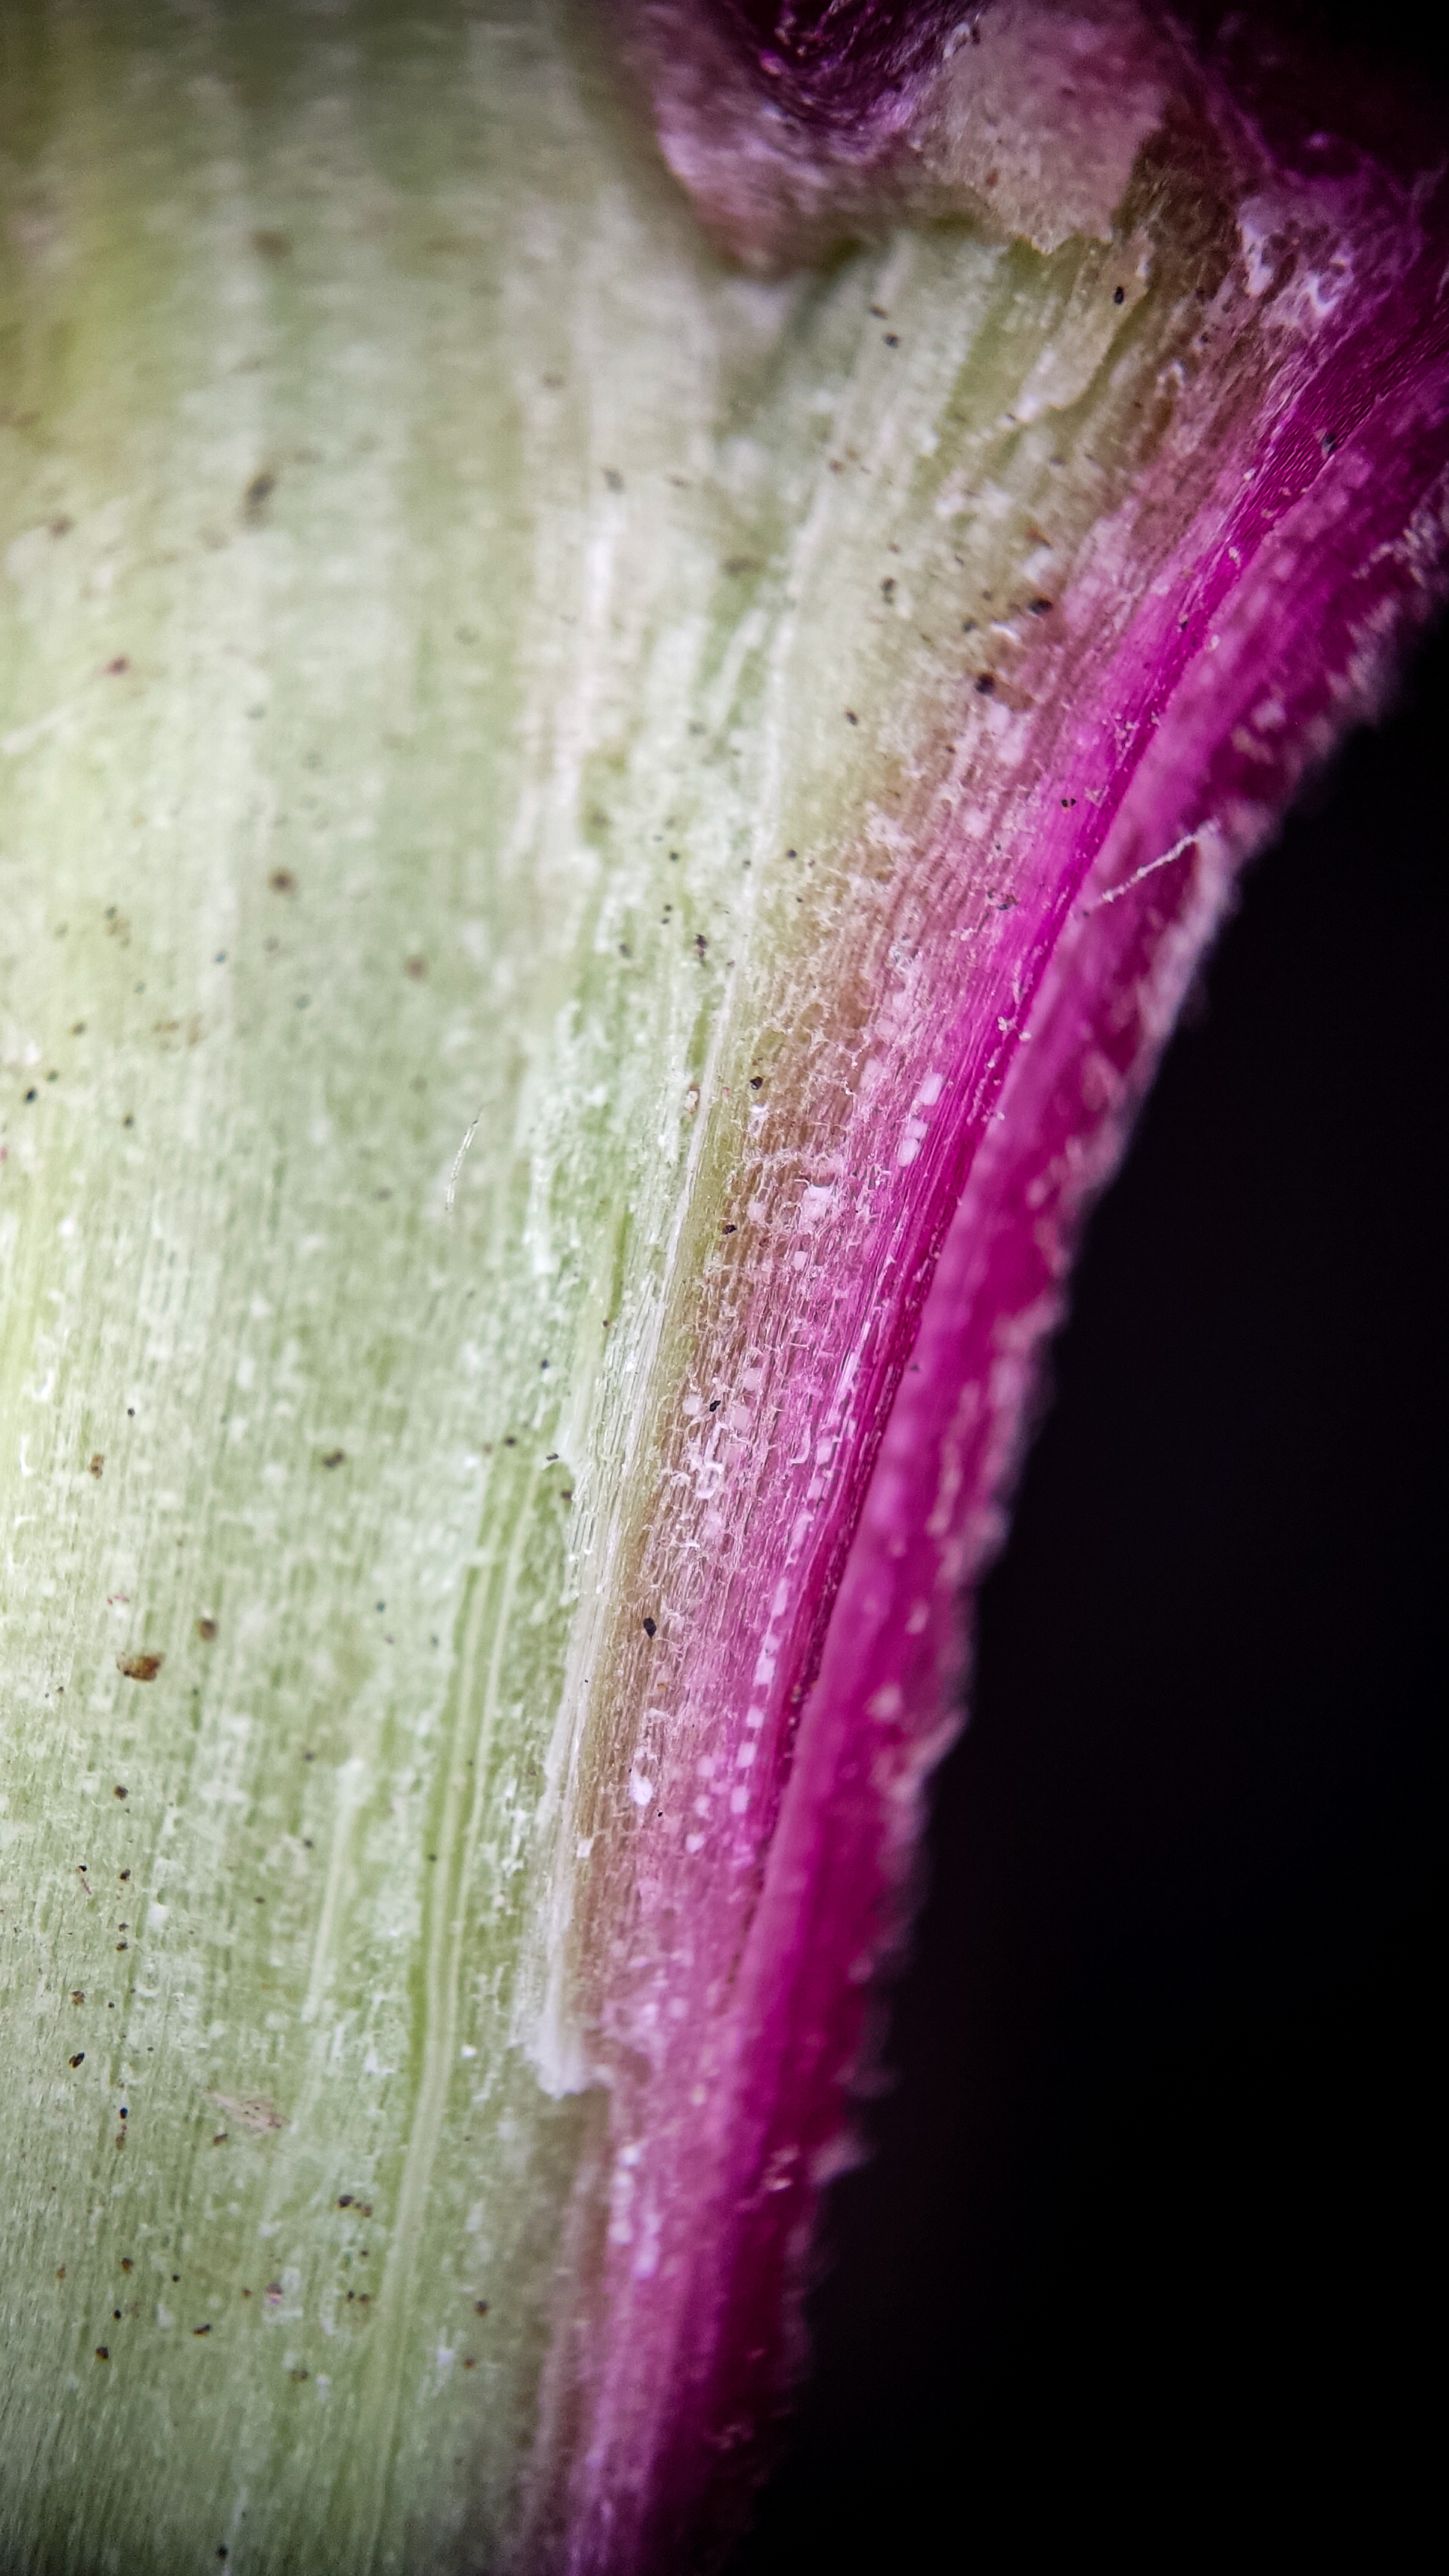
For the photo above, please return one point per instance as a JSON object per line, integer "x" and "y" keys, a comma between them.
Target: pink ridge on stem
{"x": 1277, "y": 617}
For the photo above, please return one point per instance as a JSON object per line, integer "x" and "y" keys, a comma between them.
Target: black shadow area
{"x": 1141, "y": 2261}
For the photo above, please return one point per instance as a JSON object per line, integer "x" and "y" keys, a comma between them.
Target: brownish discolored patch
{"x": 140, "y": 1668}
{"x": 251, "y": 2111}
{"x": 97, "y": 1465}
{"x": 206, "y": 1630}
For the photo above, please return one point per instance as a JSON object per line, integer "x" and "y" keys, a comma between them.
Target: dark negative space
{"x": 1141, "y": 2259}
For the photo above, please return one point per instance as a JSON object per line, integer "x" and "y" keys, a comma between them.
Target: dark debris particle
{"x": 985, "y": 684}
{"x": 126, "y": 2263}
{"x": 613, "y": 478}
{"x": 120, "y": 663}
{"x": 119, "y": 1792}
{"x": 77, "y": 1994}
{"x": 334, "y": 1458}
{"x": 103, "y": 2352}
{"x": 757, "y": 1081}
{"x": 299, "y": 2376}
{"x": 1041, "y": 608}
{"x": 651, "y": 1627}
{"x": 729, "y": 1229}
{"x": 416, "y": 968}
{"x": 1119, "y": 294}
{"x": 258, "y": 493}
{"x": 851, "y": 717}
{"x": 79, "y": 2058}
{"x": 282, "y": 881}
{"x": 892, "y": 339}
{"x": 480, "y": 2307}
{"x": 32, "y": 1095}
{"x": 201, "y": 2330}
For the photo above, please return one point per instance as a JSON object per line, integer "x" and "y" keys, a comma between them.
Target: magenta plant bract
{"x": 1073, "y": 843}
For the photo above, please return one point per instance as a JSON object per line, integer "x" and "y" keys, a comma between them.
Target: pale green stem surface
{"x": 417, "y": 553}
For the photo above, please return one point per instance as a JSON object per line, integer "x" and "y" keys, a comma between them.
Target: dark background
{"x": 1142, "y": 2258}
